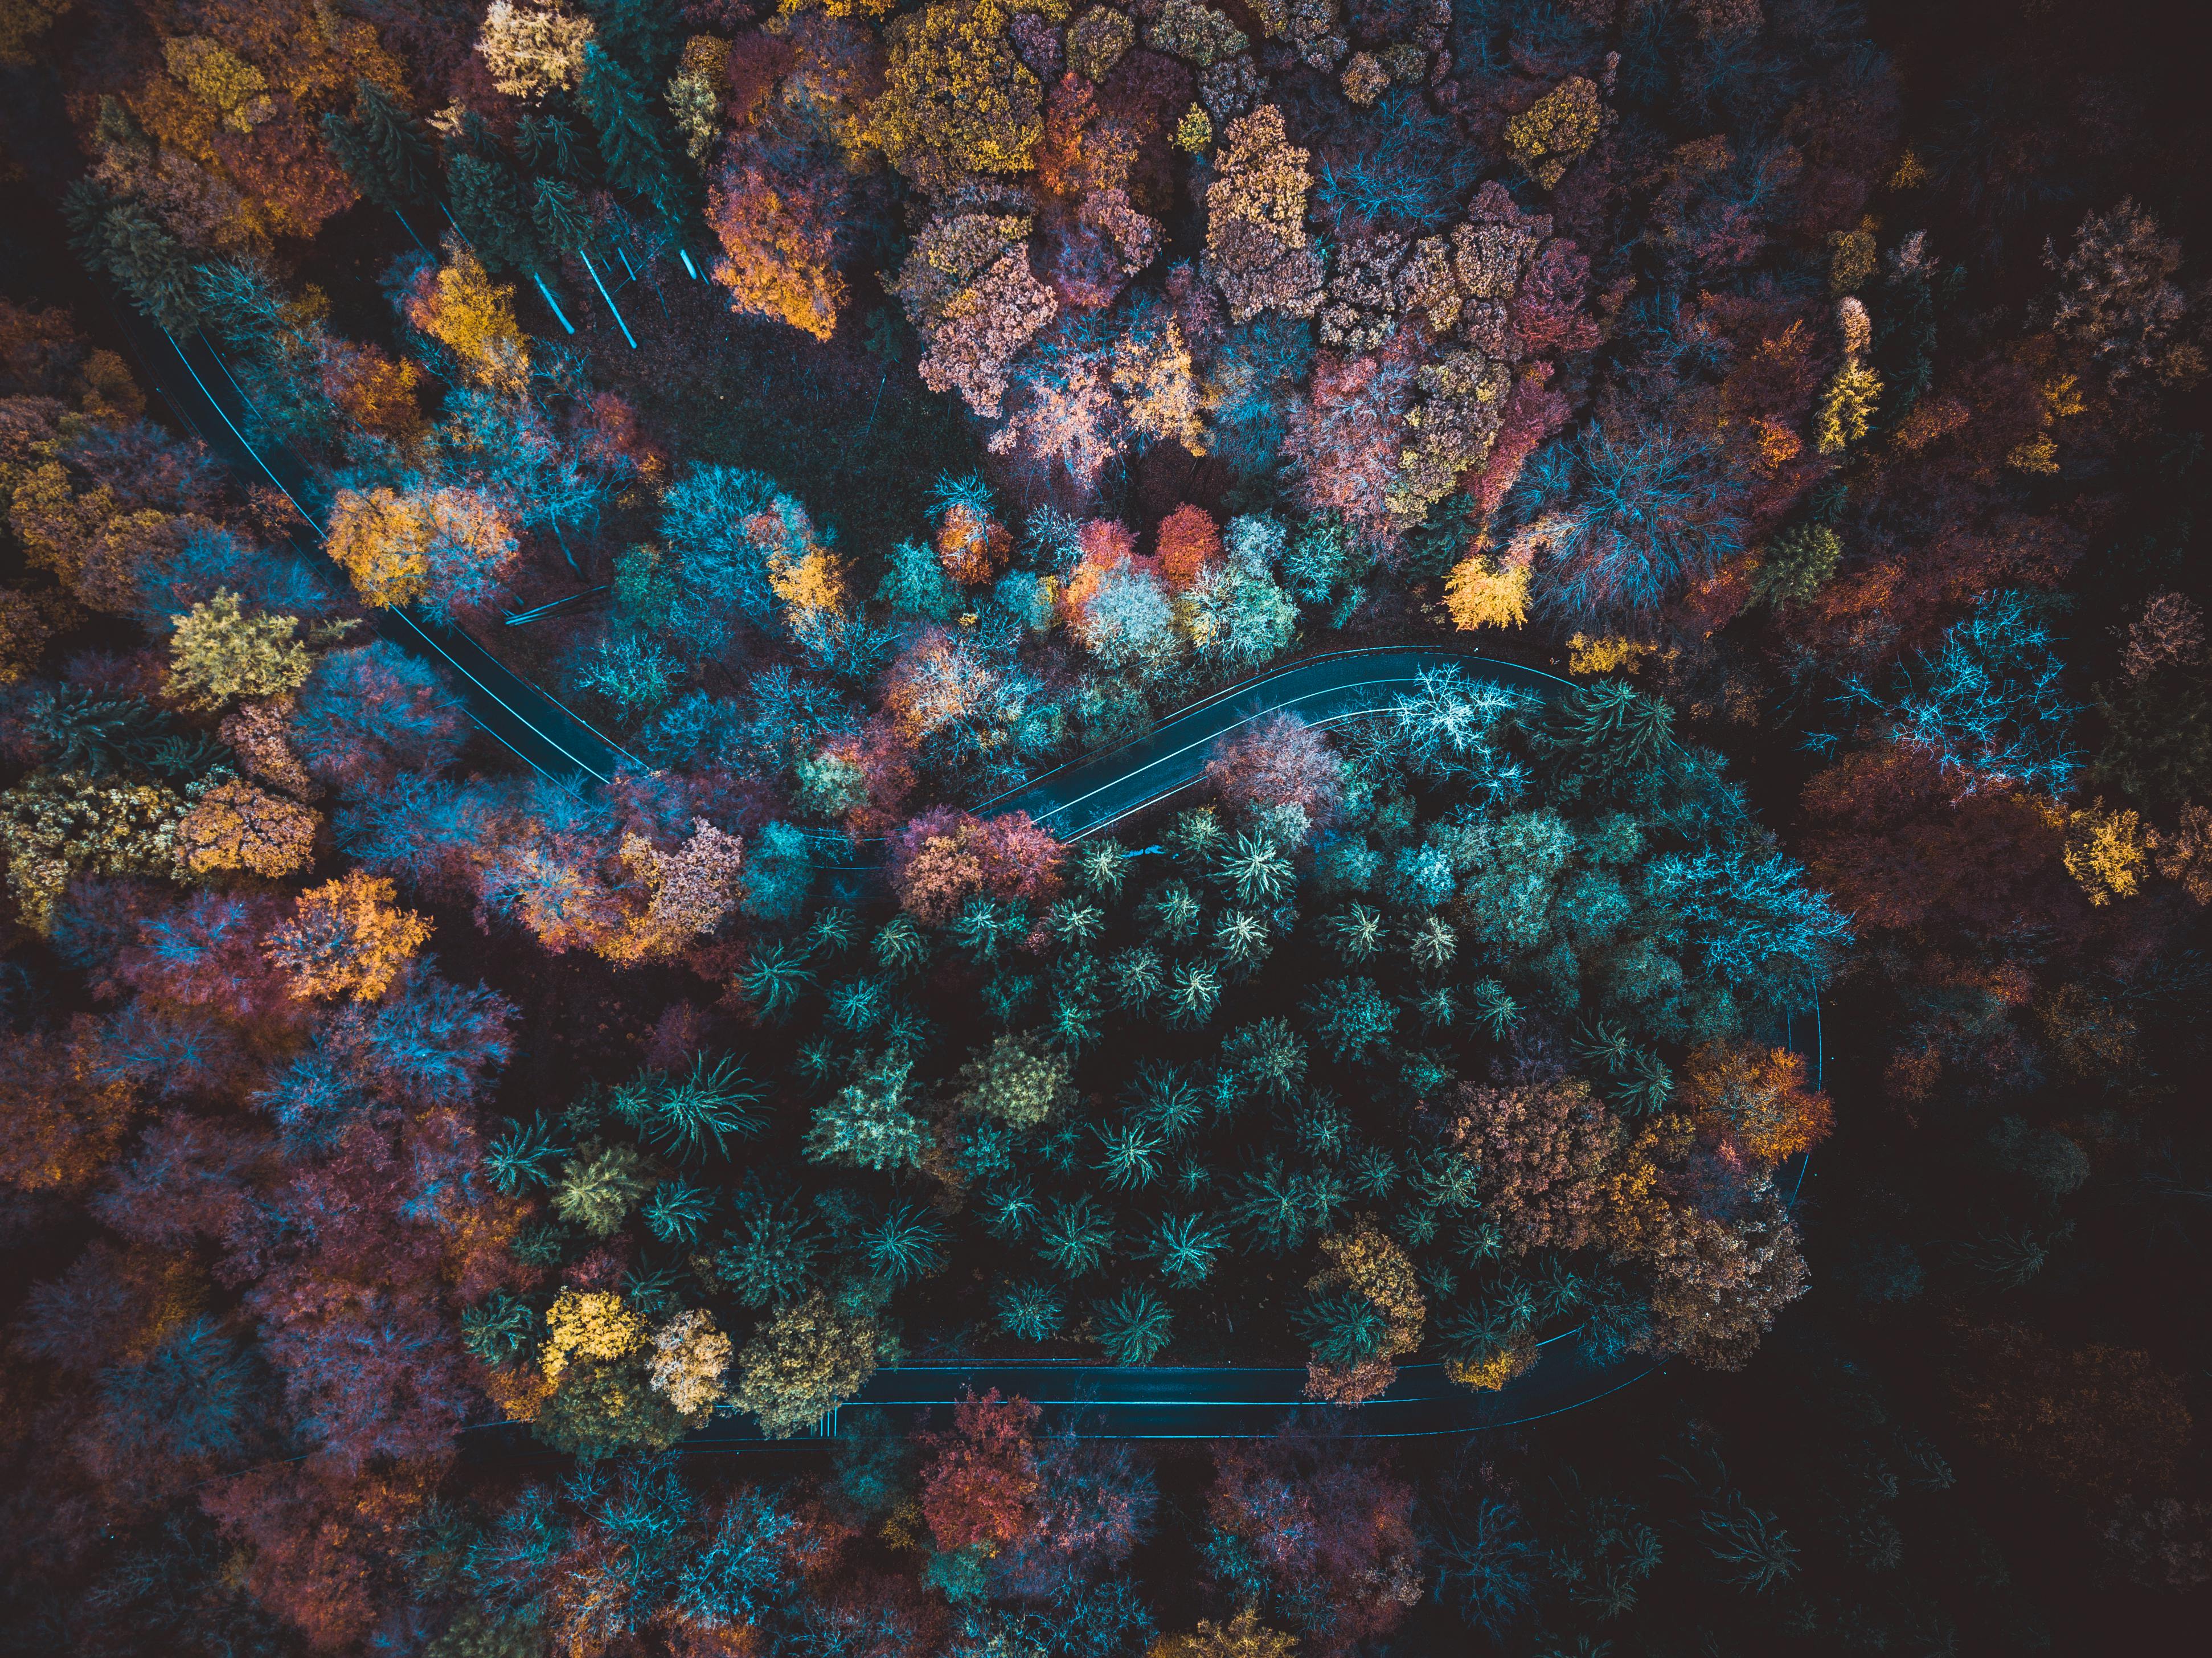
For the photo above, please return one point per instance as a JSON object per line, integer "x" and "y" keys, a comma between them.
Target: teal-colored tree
{"x": 1075, "y": 1236}
{"x": 770, "y": 1256}
{"x": 1350, "y": 1018}
{"x": 1185, "y": 1247}
{"x": 488, "y": 204}
{"x": 1028, "y": 1310}
{"x": 677, "y": 1210}
{"x": 383, "y": 148}
{"x": 631, "y": 129}
{"x": 1133, "y": 1327}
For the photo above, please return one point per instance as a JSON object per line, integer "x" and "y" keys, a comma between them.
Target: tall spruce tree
{"x": 123, "y": 240}
{"x": 488, "y": 204}
{"x": 633, "y": 145}
{"x": 558, "y": 216}
{"x": 383, "y": 148}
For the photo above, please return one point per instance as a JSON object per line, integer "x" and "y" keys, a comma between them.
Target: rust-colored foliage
{"x": 946, "y": 857}
{"x": 1756, "y": 1101}
{"x": 978, "y": 1489}
{"x": 2092, "y": 1420}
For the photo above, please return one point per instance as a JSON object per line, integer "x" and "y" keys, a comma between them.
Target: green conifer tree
{"x": 633, "y": 144}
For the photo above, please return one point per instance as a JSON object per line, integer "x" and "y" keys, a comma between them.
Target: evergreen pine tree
{"x": 488, "y": 204}
{"x": 642, "y": 34}
{"x": 382, "y": 149}
{"x": 126, "y": 241}
{"x": 392, "y": 135}
{"x": 632, "y": 145}
{"x": 558, "y": 216}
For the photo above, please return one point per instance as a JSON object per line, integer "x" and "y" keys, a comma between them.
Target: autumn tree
{"x": 779, "y": 231}
{"x": 1256, "y": 250}
{"x": 956, "y": 97}
{"x": 977, "y": 1489}
{"x": 1280, "y": 760}
{"x": 218, "y": 654}
{"x": 237, "y": 826}
{"x": 804, "y": 1360}
{"x": 347, "y": 937}
{"x": 945, "y": 857}
{"x": 1755, "y": 1099}
{"x": 449, "y": 548}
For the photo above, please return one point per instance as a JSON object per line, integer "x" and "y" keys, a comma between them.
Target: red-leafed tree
{"x": 1280, "y": 760}
{"x": 1330, "y": 1524}
{"x": 977, "y": 1490}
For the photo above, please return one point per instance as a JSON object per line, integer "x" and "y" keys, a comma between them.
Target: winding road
{"x": 1082, "y": 797}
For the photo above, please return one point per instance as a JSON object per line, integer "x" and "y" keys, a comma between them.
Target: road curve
{"x": 1093, "y": 793}
{"x": 1082, "y": 797}
{"x": 192, "y": 381}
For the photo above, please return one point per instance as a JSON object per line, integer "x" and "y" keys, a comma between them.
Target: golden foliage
{"x": 776, "y": 247}
{"x": 687, "y": 893}
{"x": 21, "y": 23}
{"x": 1153, "y": 370}
{"x": 2107, "y": 853}
{"x": 376, "y": 539}
{"x": 956, "y": 98}
{"x": 1756, "y": 1099}
{"x": 1256, "y": 236}
{"x": 1610, "y": 655}
{"x": 236, "y": 826}
{"x": 1482, "y": 591}
{"x": 218, "y": 652}
{"x": 1845, "y": 408}
{"x": 384, "y": 540}
{"x": 588, "y": 1324}
{"x": 1244, "y": 1637}
{"x": 219, "y": 77}
{"x": 1097, "y": 41}
{"x": 1556, "y": 131}
{"x": 346, "y": 937}
{"x": 473, "y": 318}
{"x": 532, "y": 50}
{"x": 55, "y": 826}
{"x": 24, "y": 631}
{"x": 1510, "y": 1362}
{"x": 1851, "y": 259}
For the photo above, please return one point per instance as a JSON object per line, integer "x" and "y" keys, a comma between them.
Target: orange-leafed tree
{"x": 453, "y": 548}
{"x": 945, "y": 857}
{"x": 236, "y": 826}
{"x": 1756, "y": 1101}
{"x": 1189, "y": 541}
{"x": 779, "y": 234}
{"x": 347, "y": 937}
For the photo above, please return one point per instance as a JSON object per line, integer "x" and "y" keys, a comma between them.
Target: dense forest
{"x": 470, "y": 1138}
